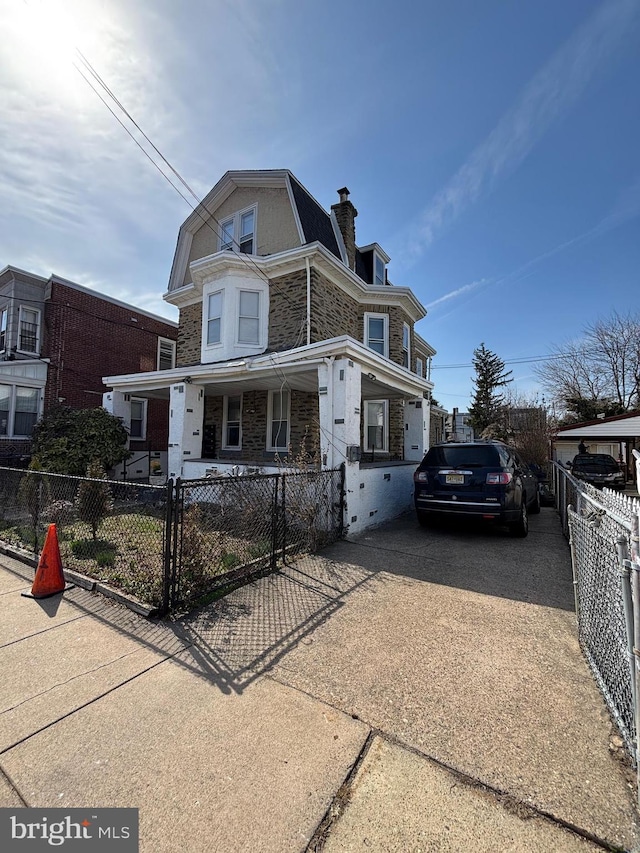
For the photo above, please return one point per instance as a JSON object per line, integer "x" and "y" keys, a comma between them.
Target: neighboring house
{"x": 291, "y": 338}
{"x": 617, "y": 436}
{"x": 458, "y": 427}
{"x": 57, "y": 339}
{"x": 438, "y": 427}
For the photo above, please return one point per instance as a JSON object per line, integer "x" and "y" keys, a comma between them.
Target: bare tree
{"x": 599, "y": 373}
{"x": 529, "y": 426}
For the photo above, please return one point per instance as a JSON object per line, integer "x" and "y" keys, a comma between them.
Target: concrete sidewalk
{"x": 410, "y": 691}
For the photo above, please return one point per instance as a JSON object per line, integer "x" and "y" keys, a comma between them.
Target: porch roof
{"x": 296, "y": 368}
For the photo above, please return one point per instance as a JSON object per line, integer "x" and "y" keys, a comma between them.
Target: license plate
{"x": 454, "y": 479}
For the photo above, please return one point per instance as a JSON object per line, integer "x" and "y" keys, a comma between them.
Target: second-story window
{"x": 28, "y": 330}
{"x": 166, "y": 354}
{"x": 214, "y": 318}
{"x": 376, "y": 333}
{"x": 3, "y": 329}
{"x": 406, "y": 346}
{"x": 419, "y": 367}
{"x": 249, "y": 317}
{"x": 237, "y": 233}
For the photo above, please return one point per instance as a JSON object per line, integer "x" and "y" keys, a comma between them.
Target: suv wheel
{"x": 520, "y": 528}
{"x": 424, "y": 519}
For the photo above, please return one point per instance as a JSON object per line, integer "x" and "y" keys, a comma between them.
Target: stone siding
{"x": 288, "y": 311}
{"x": 189, "y": 345}
{"x": 333, "y": 312}
{"x": 304, "y": 421}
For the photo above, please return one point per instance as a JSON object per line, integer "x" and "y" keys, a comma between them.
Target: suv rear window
{"x": 465, "y": 456}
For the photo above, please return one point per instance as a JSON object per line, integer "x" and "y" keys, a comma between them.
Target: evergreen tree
{"x": 94, "y": 497}
{"x": 487, "y": 404}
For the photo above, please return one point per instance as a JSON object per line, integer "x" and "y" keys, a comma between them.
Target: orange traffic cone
{"x": 49, "y": 579}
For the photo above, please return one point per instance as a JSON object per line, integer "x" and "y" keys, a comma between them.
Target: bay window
{"x": 29, "y": 330}
{"x": 214, "y": 318}
{"x": 249, "y": 317}
{"x": 3, "y": 328}
{"x": 19, "y": 410}
{"x": 406, "y": 345}
{"x": 376, "y": 333}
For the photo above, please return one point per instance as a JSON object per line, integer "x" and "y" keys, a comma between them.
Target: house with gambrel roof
{"x": 291, "y": 337}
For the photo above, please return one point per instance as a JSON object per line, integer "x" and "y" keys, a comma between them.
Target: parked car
{"x": 481, "y": 479}
{"x": 599, "y": 469}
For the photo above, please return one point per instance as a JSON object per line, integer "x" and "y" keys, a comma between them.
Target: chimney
{"x": 346, "y": 214}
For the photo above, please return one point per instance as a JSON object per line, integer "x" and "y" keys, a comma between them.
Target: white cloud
{"x": 547, "y": 96}
{"x": 455, "y": 293}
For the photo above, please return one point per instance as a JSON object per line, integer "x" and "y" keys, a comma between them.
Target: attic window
{"x": 237, "y": 233}
{"x": 379, "y": 277}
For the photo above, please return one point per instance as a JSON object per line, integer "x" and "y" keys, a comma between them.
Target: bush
{"x": 94, "y": 498}
{"x": 67, "y": 440}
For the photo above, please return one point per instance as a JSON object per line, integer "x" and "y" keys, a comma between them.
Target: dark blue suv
{"x": 481, "y": 479}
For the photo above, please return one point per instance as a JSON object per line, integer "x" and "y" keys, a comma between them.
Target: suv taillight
{"x": 499, "y": 479}
{"x": 420, "y": 477}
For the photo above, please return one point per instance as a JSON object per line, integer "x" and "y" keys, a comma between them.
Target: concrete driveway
{"x": 411, "y": 690}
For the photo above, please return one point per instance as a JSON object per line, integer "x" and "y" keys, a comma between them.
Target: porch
{"x": 317, "y": 406}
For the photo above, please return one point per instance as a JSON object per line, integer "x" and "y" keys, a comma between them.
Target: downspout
{"x": 308, "y": 266}
{"x": 330, "y": 449}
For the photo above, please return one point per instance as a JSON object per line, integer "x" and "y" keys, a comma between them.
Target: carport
{"x": 617, "y": 436}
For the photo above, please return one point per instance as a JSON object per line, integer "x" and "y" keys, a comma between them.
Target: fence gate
{"x": 224, "y": 529}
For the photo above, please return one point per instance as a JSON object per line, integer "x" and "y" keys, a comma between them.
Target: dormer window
{"x": 237, "y": 233}
{"x": 379, "y": 277}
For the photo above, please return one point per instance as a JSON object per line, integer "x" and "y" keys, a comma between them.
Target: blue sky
{"x": 490, "y": 147}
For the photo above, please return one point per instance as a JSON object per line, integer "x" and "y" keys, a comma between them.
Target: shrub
{"x": 94, "y": 497}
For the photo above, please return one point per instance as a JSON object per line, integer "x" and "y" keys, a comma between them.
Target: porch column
{"x": 417, "y": 416}
{"x": 186, "y": 413}
{"x": 339, "y": 390}
{"x": 119, "y": 404}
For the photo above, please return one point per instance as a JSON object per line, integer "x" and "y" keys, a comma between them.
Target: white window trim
{"x": 205, "y": 330}
{"x": 4, "y": 312}
{"x": 385, "y": 426}
{"x": 237, "y": 341}
{"x": 143, "y": 428}
{"x": 285, "y": 446}
{"x": 173, "y": 352}
{"x": 225, "y": 421}
{"x": 406, "y": 327}
{"x": 12, "y": 408}
{"x": 370, "y": 315}
{"x": 36, "y": 311}
{"x": 237, "y": 219}
{"x": 419, "y": 368}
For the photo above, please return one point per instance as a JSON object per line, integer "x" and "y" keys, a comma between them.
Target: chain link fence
{"x": 599, "y": 526}
{"x": 111, "y": 531}
{"x": 170, "y": 545}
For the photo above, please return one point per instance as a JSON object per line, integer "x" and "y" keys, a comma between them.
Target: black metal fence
{"x": 226, "y": 528}
{"x": 171, "y": 545}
